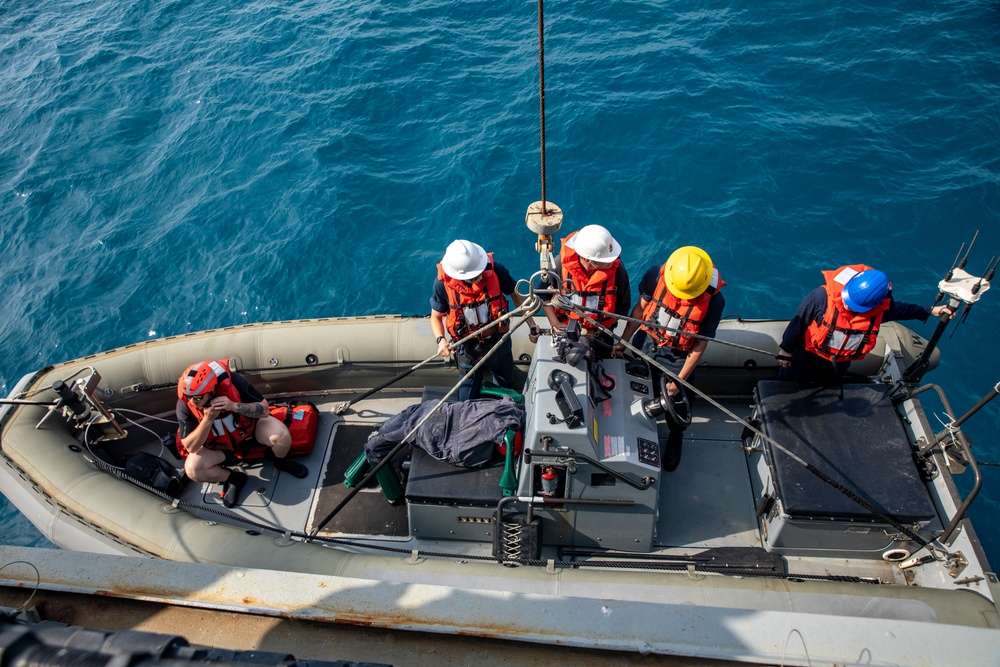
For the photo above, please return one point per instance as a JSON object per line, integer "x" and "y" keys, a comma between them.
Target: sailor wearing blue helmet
{"x": 839, "y": 322}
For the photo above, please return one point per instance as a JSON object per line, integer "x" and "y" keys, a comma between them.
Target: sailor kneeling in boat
{"x": 680, "y": 300}
{"x": 839, "y": 322}
{"x": 470, "y": 291}
{"x": 593, "y": 276}
{"x": 217, "y": 409}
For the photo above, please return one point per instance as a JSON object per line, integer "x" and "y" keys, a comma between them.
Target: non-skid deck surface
{"x": 708, "y": 502}
{"x": 368, "y": 513}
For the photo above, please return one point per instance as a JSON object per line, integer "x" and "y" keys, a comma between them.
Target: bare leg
{"x": 272, "y": 433}
{"x": 206, "y": 466}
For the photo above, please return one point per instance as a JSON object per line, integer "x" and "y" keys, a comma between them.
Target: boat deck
{"x": 707, "y": 503}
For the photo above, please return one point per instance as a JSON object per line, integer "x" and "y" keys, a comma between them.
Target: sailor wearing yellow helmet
{"x": 679, "y": 298}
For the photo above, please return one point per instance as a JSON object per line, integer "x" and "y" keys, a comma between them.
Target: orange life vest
{"x": 682, "y": 316}
{"x": 843, "y": 335}
{"x": 595, "y": 290}
{"x": 230, "y": 428}
{"x": 473, "y": 305}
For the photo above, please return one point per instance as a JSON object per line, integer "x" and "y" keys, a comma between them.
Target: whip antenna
{"x": 959, "y": 288}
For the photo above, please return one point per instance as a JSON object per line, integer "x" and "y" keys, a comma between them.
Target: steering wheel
{"x": 671, "y": 403}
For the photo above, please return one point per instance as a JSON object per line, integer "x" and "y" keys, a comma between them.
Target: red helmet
{"x": 197, "y": 379}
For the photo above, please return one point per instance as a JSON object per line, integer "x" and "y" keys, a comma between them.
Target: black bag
{"x": 155, "y": 472}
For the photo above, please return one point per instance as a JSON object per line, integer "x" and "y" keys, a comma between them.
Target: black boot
{"x": 233, "y": 487}
{"x": 293, "y": 468}
{"x": 672, "y": 452}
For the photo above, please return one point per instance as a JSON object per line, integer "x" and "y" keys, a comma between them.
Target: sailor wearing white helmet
{"x": 592, "y": 275}
{"x": 469, "y": 292}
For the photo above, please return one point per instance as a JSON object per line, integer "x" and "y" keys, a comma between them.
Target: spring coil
{"x": 512, "y": 542}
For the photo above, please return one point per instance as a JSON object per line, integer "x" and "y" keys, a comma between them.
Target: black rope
{"x": 619, "y": 565}
{"x": 867, "y": 505}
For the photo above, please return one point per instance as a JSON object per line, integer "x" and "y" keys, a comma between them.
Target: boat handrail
{"x": 570, "y": 456}
{"x": 953, "y": 431}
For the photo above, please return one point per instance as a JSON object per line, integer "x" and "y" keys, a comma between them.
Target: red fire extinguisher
{"x": 550, "y": 482}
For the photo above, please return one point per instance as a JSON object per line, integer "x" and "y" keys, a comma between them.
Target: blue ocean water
{"x": 172, "y": 165}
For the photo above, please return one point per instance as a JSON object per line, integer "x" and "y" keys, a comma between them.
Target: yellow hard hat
{"x": 688, "y": 272}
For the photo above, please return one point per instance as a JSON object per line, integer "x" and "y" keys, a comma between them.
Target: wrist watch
{"x": 439, "y": 339}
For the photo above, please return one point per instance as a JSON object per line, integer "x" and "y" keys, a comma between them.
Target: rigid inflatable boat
{"x": 824, "y": 514}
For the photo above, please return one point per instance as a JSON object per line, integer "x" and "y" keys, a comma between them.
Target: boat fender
{"x": 154, "y": 472}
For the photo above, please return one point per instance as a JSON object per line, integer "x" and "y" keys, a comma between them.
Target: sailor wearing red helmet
{"x": 839, "y": 322}
{"x": 216, "y": 410}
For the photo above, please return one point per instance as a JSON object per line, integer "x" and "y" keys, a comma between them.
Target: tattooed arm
{"x": 253, "y": 410}
{"x": 251, "y": 403}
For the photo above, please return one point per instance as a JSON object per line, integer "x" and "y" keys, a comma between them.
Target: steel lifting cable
{"x": 541, "y": 94}
{"x": 375, "y": 362}
{"x": 529, "y": 306}
{"x": 808, "y": 466}
{"x": 279, "y": 530}
{"x": 478, "y": 332}
{"x": 656, "y": 325}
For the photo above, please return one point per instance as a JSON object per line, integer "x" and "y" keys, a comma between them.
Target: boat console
{"x": 588, "y": 476}
{"x": 591, "y": 464}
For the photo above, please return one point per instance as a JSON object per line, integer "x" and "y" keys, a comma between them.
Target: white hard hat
{"x": 464, "y": 260}
{"x": 595, "y": 243}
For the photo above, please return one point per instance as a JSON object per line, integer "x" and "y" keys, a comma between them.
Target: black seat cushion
{"x": 435, "y": 481}
{"x": 858, "y": 442}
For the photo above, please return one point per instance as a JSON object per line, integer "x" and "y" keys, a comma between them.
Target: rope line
{"x": 357, "y": 364}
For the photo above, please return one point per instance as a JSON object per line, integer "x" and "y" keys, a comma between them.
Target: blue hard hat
{"x": 865, "y": 290}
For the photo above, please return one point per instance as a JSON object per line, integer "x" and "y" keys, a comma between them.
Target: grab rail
{"x": 571, "y": 456}
{"x": 959, "y": 438}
